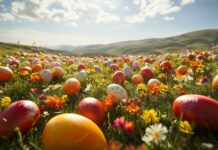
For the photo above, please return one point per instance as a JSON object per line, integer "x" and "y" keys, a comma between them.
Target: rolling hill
{"x": 200, "y": 40}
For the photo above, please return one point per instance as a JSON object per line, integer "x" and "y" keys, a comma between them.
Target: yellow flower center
{"x": 156, "y": 134}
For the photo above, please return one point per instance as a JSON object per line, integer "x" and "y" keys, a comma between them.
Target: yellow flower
{"x": 163, "y": 88}
{"x": 141, "y": 86}
{"x": 5, "y": 101}
{"x": 185, "y": 127}
{"x": 64, "y": 98}
{"x": 150, "y": 116}
{"x": 161, "y": 76}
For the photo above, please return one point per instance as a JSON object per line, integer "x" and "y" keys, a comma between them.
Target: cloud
{"x": 6, "y": 17}
{"x": 152, "y": 8}
{"x": 126, "y": 8}
{"x": 68, "y": 12}
{"x": 186, "y": 2}
{"x": 169, "y": 18}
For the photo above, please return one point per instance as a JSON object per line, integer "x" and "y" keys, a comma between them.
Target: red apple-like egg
{"x": 197, "y": 109}
{"x": 93, "y": 109}
{"x": 146, "y": 73}
{"x": 22, "y": 114}
{"x": 118, "y": 77}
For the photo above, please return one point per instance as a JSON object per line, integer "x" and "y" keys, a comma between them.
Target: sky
{"x": 84, "y": 22}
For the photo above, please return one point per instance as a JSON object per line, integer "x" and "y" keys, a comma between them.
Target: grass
{"x": 20, "y": 88}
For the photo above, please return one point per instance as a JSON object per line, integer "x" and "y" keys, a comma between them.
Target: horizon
{"x": 79, "y": 23}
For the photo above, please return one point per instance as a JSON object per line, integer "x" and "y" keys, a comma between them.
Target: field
{"x": 148, "y": 107}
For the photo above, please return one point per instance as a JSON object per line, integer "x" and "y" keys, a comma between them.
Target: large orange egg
{"x": 72, "y": 86}
{"x": 137, "y": 78}
{"x": 215, "y": 82}
{"x": 181, "y": 70}
{"x": 5, "y": 74}
{"x": 36, "y": 68}
{"x": 57, "y": 72}
{"x": 72, "y": 132}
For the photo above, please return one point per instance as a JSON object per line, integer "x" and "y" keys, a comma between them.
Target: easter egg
{"x": 215, "y": 83}
{"x": 127, "y": 71}
{"x": 46, "y": 75}
{"x": 114, "y": 67}
{"x": 6, "y": 74}
{"x": 93, "y": 109}
{"x": 117, "y": 91}
{"x": 146, "y": 73}
{"x": 215, "y": 57}
{"x": 72, "y": 86}
{"x": 97, "y": 69}
{"x": 72, "y": 132}
{"x": 14, "y": 63}
{"x": 57, "y": 72}
{"x": 165, "y": 65}
{"x": 82, "y": 76}
{"x": 152, "y": 83}
{"x": 36, "y": 68}
{"x": 135, "y": 65}
{"x": 81, "y": 67}
{"x": 118, "y": 77}
{"x": 137, "y": 78}
{"x": 22, "y": 114}
{"x": 181, "y": 70}
{"x": 197, "y": 109}
{"x": 25, "y": 69}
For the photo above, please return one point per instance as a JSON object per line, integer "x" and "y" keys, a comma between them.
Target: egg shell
{"x": 197, "y": 109}
{"x": 117, "y": 91}
{"x": 46, "y": 75}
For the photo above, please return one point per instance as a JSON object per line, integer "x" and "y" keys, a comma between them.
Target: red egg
{"x": 93, "y": 109}
{"x": 81, "y": 67}
{"x": 114, "y": 67}
{"x": 36, "y": 68}
{"x": 181, "y": 70}
{"x": 118, "y": 77}
{"x": 72, "y": 86}
{"x": 197, "y": 109}
{"x": 165, "y": 65}
{"x": 14, "y": 63}
{"x": 22, "y": 114}
{"x": 146, "y": 73}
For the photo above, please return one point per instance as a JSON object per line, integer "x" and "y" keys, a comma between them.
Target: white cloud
{"x": 6, "y": 17}
{"x": 152, "y": 8}
{"x": 186, "y": 2}
{"x": 126, "y": 8}
{"x": 169, "y": 18}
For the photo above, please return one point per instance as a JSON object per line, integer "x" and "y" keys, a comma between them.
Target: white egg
{"x": 46, "y": 75}
{"x": 117, "y": 91}
{"x": 82, "y": 76}
{"x": 128, "y": 71}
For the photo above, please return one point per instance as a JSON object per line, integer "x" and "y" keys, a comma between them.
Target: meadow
{"x": 143, "y": 119}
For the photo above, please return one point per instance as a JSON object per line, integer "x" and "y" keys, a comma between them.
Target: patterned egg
{"x": 127, "y": 71}
{"x": 135, "y": 65}
{"x": 90, "y": 64}
{"x": 117, "y": 91}
{"x": 46, "y": 75}
{"x": 215, "y": 57}
{"x": 97, "y": 69}
{"x": 82, "y": 76}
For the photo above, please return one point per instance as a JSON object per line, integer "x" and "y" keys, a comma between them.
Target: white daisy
{"x": 155, "y": 133}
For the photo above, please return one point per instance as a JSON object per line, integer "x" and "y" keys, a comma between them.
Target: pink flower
{"x": 119, "y": 122}
{"x": 35, "y": 90}
{"x": 42, "y": 96}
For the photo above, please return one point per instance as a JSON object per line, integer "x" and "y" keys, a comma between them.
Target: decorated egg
{"x": 82, "y": 76}
{"x": 146, "y": 73}
{"x": 97, "y": 69}
{"x": 81, "y": 67}
{"x": 57, "y": 72}
{"x": 152, "y": 83}
{"x": 22, "y": 114}
{"x": 90, "y": 64}
{"x": 72, "y": 132}
{"x": 117, "y": 91}
{"x": 127, "y": 70}
{"x": 181, "y": 70}
{"x": 114, "y": 67}
{"x": 165, "y": 65}
{"x": 197, "y": 109}
{"x": 46, "y": 75}
{"x": 72, "y": 86}
{"x": 215, "y": 83}
{"x": 118, "y": 77}
{"x": 6, "y": 74}
{"x": 137, "y": 78}
{"x": 135, "y": 65}
{"x": 93, "y": 109}
{"x": 215, "y": 57}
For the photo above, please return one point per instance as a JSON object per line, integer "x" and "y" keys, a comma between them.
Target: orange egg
{"x": 72, "y": 132}
{"x": 57, "y": 72}
{"x": 5, "y": 74}
{"x": 153, "y": 83}
{"x": 36, "y": 68}
{"x": 137, "y": 78}
{"x": 181, "y": 70}
{"x": 215, "y": 82}
{"x": 72, "y": 86}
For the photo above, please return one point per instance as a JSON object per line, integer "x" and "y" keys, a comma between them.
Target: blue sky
{"x": 82, "y": 22}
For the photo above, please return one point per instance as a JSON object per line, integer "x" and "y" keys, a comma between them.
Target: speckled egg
{"x": 46, "y": 75}
{"x": 82, "y": 76}
{"x": 127, "y": 70}
{"x": 135, "y": 65}
{"x": 117, "y": 91}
